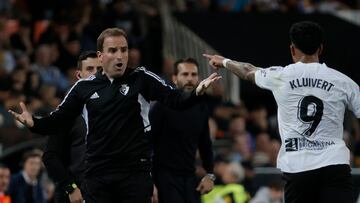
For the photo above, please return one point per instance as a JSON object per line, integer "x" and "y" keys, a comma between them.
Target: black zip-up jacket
{"x": 116, "y": 116}
{"x": 176, "y": 137}
{"x": 64, "y": 156}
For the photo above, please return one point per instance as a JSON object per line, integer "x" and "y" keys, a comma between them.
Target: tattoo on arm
{"x": 245, "y": 71}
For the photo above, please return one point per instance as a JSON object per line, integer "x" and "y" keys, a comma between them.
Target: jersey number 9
{"x": 310, "y": 111}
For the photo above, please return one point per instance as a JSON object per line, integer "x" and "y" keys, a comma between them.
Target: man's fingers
{"x": 207, "y": 56}
{"x": 13, "y": 113}
{"x": 214, "y": 75}
{"x": 216, "y": 78}
{"x": 23, "y": 107}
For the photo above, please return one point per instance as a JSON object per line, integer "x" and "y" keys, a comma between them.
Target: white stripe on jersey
{"x": 153, "y": 75}
{"x": 145, "y": 108}
{"x": 91, "y": 77}
{"x": 86, "y": 119}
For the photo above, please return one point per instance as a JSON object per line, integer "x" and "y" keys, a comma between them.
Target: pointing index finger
{"x": 207, "y": 56}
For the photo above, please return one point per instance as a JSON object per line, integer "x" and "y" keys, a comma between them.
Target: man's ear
{"x": 292, "y": 49}
{"x": 320, "y": 50}
{"x": 99, "y": 55}
{"x": 78, "y": 74}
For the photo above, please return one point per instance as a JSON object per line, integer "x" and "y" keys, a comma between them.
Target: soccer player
{"x": 311, "y": 100}
{"x": 115, "y": 105}
{"x": 64, "y": 156}
{"x": 176, "y": 137}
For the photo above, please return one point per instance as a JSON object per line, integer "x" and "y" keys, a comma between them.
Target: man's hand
{"x": 155, "y": 198}
{"x": 205, "y": 185}
{"x": 215, "y": 61}
{"x": 75, "y": 196}
{"x": 25, "y": 117}
{"x": 203, "y": 85}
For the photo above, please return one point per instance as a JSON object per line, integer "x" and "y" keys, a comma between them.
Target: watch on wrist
{"x": 211, "y": 176}
{"x": 70, "y": 188}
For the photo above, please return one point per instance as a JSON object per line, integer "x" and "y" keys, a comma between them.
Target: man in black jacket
{"x": 115, "y": 105}
{"x": 176, "y": 137}
{"x": 64, "y": 155}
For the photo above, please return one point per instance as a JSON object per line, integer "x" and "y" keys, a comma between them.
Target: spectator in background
{"x": 261, "y": 155}
{"x": 25, "y": 186}
{"x": 69, "y": 54}
{"x": 176, "y": 136}
{"x": 49, "y": 74}
{"x": 4, "y": 183}
{"x": 257, "y": 120}
{"x": 241, "y": 148}
{"x": 273, "y": 193}
{"x": 19, "y": 79}
{"x": 21, "y": 40}
{"x": 7, "y": 61}
{"x": 231, "y": 190}
{"x": 5, "y": 90}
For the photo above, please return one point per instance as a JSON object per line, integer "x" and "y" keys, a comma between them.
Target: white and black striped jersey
{"x": 116, "y": 116}
{"x": 311, "y": 99}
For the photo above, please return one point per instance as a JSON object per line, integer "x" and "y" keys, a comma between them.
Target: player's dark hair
{"x": 185, "y": 60}
{"x": 85, "y": 55}
{"x": 306, "y": 36}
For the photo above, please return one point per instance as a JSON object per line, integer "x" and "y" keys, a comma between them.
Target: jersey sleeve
{"x": 156, "y": 89}
{"x": 268, "y": 77}
{"x": 63, "y": 116}
{"x": 354, "y": 99}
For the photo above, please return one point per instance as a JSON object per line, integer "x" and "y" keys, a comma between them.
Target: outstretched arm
{"x": 245, "y": 71}
{"x": 156, "y": 89}
{"x": 58, "y": 120}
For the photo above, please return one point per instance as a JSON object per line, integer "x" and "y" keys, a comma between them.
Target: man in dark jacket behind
{"x": 176, "y": 137}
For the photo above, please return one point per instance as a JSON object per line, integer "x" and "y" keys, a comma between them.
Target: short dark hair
{"x": 184, "y": 60}
{"x": 276, "y": 184}
{"x": 306, "y": 36}
{"x": 31, "y": 154}
{"x": 3, "y": 166}
{"x": 109, "y": 32}
{"x": 83, "y": 56}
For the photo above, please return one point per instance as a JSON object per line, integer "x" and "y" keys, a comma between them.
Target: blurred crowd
{"x": 40, "y": 42}
{"x": 298, "y": 6}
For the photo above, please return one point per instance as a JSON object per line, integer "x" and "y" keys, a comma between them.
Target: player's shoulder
{"x": 85, "y": 83}
{"x": 87, "y": 80}
{"x": 149, "y": 74}
{"x": 140, "y": 69}
{"x": 336, "y": 73}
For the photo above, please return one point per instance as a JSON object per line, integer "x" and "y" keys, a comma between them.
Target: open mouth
{"x": 119, "y": 65}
